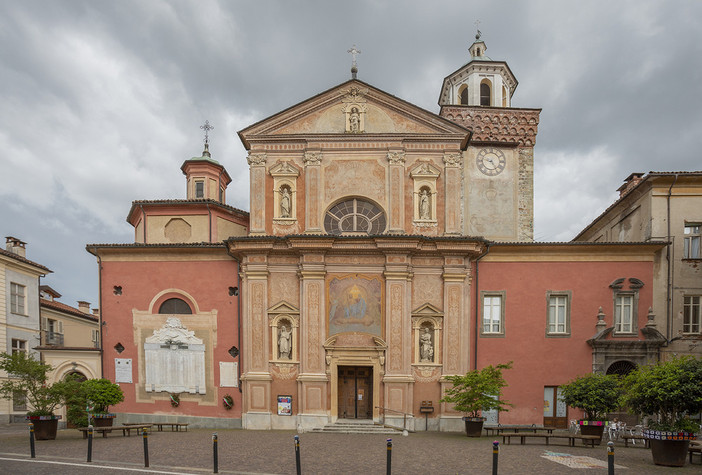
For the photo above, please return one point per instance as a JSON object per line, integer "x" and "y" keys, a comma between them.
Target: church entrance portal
{"x": 355, "y": 392}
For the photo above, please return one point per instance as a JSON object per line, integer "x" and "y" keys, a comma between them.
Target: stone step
{"x": 356, "y": 426}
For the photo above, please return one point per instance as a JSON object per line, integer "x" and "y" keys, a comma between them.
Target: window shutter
{"x": 60, "y": 327}
{"x": 44, "y": 323}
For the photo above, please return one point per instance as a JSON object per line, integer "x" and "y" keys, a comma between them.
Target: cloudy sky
{"x": 101, "y": 100}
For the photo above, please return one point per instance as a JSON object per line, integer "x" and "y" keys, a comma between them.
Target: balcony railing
{"x": 52, "y": 338}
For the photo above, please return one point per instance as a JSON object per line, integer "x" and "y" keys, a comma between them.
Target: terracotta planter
{"x": 669, "y": 448}
{"x": 593, "y": 428}
{"x": 45, "y": 427}
{"x": 474, "y": 426}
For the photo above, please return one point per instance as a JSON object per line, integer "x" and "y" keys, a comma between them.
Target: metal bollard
{"x": 31, "y": 440}
{"x": 297, "y": 454}
{"x": 90, "y": 443}
{"x": 495, "y": 455}
{"x": 388, "y": 468}
{"x": 610, "y": 458}
{"x": 214, "y": 453}
{"x": 145, "y": 432}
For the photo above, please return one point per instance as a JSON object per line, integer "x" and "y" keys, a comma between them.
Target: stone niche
{"x": 174, "y": 360}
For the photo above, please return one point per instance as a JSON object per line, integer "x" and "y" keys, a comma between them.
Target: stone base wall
{"x": 195, "y": 422}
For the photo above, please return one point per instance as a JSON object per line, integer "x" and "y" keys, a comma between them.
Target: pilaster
{"x": 452, "y": 189}
{"x": 257, "y": 172}
{"x": 396, "y": 187}
{"x": 313, "y": 191}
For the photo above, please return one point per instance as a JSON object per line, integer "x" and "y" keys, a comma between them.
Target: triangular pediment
{"x": 283, "y": 307}
{"x": 428, "y": 310}
{"x": 353, "y": 109}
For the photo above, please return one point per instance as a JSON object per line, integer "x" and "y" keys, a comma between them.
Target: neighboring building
{"x": 19, "y": 313}
{"x": 70, "y": 338}
{"x": 387, "y": 248}
{"x": 169, "y": 303}
{"x": 663, "y": 206}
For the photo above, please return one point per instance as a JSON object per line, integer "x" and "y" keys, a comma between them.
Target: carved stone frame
{"x": 427, "y": 313}
{"x": 284, "y": 173}
{"x": 424, "y": 176}
{"x": 277, "y": 313}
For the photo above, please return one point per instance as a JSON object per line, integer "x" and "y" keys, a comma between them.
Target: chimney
{"x": 629, "y": 183}
{"x": 84, "y": 306}
{"x": 16, "y": 246}
{"x": 96, "y": 312}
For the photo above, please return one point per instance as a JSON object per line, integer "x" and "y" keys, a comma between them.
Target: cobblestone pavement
{"x": 273, "y": 452}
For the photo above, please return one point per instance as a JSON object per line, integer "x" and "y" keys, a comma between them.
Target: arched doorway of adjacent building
{"x": 78, "y": 376}
{"x": 622, "y": 368}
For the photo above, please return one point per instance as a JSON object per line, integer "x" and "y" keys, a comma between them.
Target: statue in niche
{"x": 424, "y": 205}
{"x": 354, "y": 120}
{"x": 284, "y": 340}
{"x": 426, "y": 347}
{"x": 285, "y": 202}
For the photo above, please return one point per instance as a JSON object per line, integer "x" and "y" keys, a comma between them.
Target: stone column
{"x": 256, "y": 379}
{"x": 312, "y": 380}
{"x": 396, "y": 185}
{"x": 313, "y": 192}
{"x": 452, "y": 193}
{"x": 456, "y": 332}
{"x": 398, "y": 380}
{"x": 257, "y": 167}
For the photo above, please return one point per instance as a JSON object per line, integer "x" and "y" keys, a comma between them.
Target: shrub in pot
{"x": 100, "y": 394}
{"x": 667, "y": 392}
{"x": 477, "y": 391}
{"x": 29, "y": 377}
{"x": 596, "y": 395}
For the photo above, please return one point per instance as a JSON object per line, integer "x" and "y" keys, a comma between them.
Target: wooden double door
{"x": 355, "y": 392}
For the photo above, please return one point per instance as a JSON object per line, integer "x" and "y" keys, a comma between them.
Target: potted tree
{"x": 28, "y": 377}
{"x": 596, "y": 395}
{"x": 477, "y": 391}
{"x": 99, "y": 395}
{"x": 667, "y": 392}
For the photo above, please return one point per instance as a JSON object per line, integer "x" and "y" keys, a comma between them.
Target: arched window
{"x": 621, "y": 368}
{"x": 175, "y": 306}
{"x": 485, "y": 94}
{"x": 354, "y": 215}
{"x": 463, "y": 95}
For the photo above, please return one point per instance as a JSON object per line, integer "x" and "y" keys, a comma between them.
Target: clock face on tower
{"x": 491, "y": 161}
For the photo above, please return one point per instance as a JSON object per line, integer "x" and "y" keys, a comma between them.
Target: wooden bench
{"x": 588, "y": 439}
{"x": 634, "y": 438}
{"x": 175, "y": 426}
{"x": 126, "y": 429}
{"x": 695, "y": 449}
{"x": 513, "y": 428}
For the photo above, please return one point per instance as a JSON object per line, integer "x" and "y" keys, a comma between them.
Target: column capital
{"x": 312, "y": 158}
{"x": 453, "y": 159}
{"x": 257, "y": 159}
{"x": 396, "y": 158}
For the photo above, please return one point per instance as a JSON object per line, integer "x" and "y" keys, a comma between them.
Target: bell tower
{"x": 498, "y": 193}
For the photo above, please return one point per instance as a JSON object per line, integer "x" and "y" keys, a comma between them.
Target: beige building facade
{"x": 663, "y": 206}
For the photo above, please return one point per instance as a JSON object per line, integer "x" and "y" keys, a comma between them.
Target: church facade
{"x": 386, "y": 248}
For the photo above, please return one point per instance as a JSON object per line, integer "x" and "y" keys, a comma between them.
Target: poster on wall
{"x": 123, "y": 370}
{"x": 355, "y": 304}
{"x": 285, "y": 405}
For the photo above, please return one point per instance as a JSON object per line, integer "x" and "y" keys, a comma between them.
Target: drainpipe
{"x": 477, "y": 307}
{"x": 669, "y": 289}
{"x": 102, "y": 352}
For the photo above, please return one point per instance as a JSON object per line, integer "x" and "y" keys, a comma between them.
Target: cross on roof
{"x": 207, "y": 127}
{"x": 477, "y": 27}
{"x": 354, "y": 52}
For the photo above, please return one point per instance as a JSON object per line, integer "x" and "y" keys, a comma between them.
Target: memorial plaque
{"x": 228, "y": 377}
{"x": 123, "y": 370}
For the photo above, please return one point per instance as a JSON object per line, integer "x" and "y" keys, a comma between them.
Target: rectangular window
{"x": 19, "y": 401}
{"x": 19, "y": 345}
{"x": 692, "y": 241}
{"x": 199, "y": 189}
{"x": 558, "y": 313}
{"x": 624, "y": 313}
{"x": 692, "y": 316}
{"x": 493, "y": 314}
{"x": 96, "y": 338}
{"x": 17, "y": 298}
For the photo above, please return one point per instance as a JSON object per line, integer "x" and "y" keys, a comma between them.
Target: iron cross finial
{"x": 477, "y": 27}
{"x": 207, "y": 127}
{"x": 354, "y": 52}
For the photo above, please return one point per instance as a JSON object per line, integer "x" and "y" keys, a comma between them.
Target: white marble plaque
{"x": 175, "y": 360}
{"x": 228, "y": 374}
{"x": 123, "y": 370}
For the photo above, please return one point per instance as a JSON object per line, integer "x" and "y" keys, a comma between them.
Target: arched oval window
{"x": 354, "y": 216}
{"x": 175, "y": 306}
{"x": 621, "y": 368}
{"x": 485, "y": 94}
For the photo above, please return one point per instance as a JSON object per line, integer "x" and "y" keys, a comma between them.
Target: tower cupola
{"x": 206, "y": 178}
{"x": 480, "y": 82}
